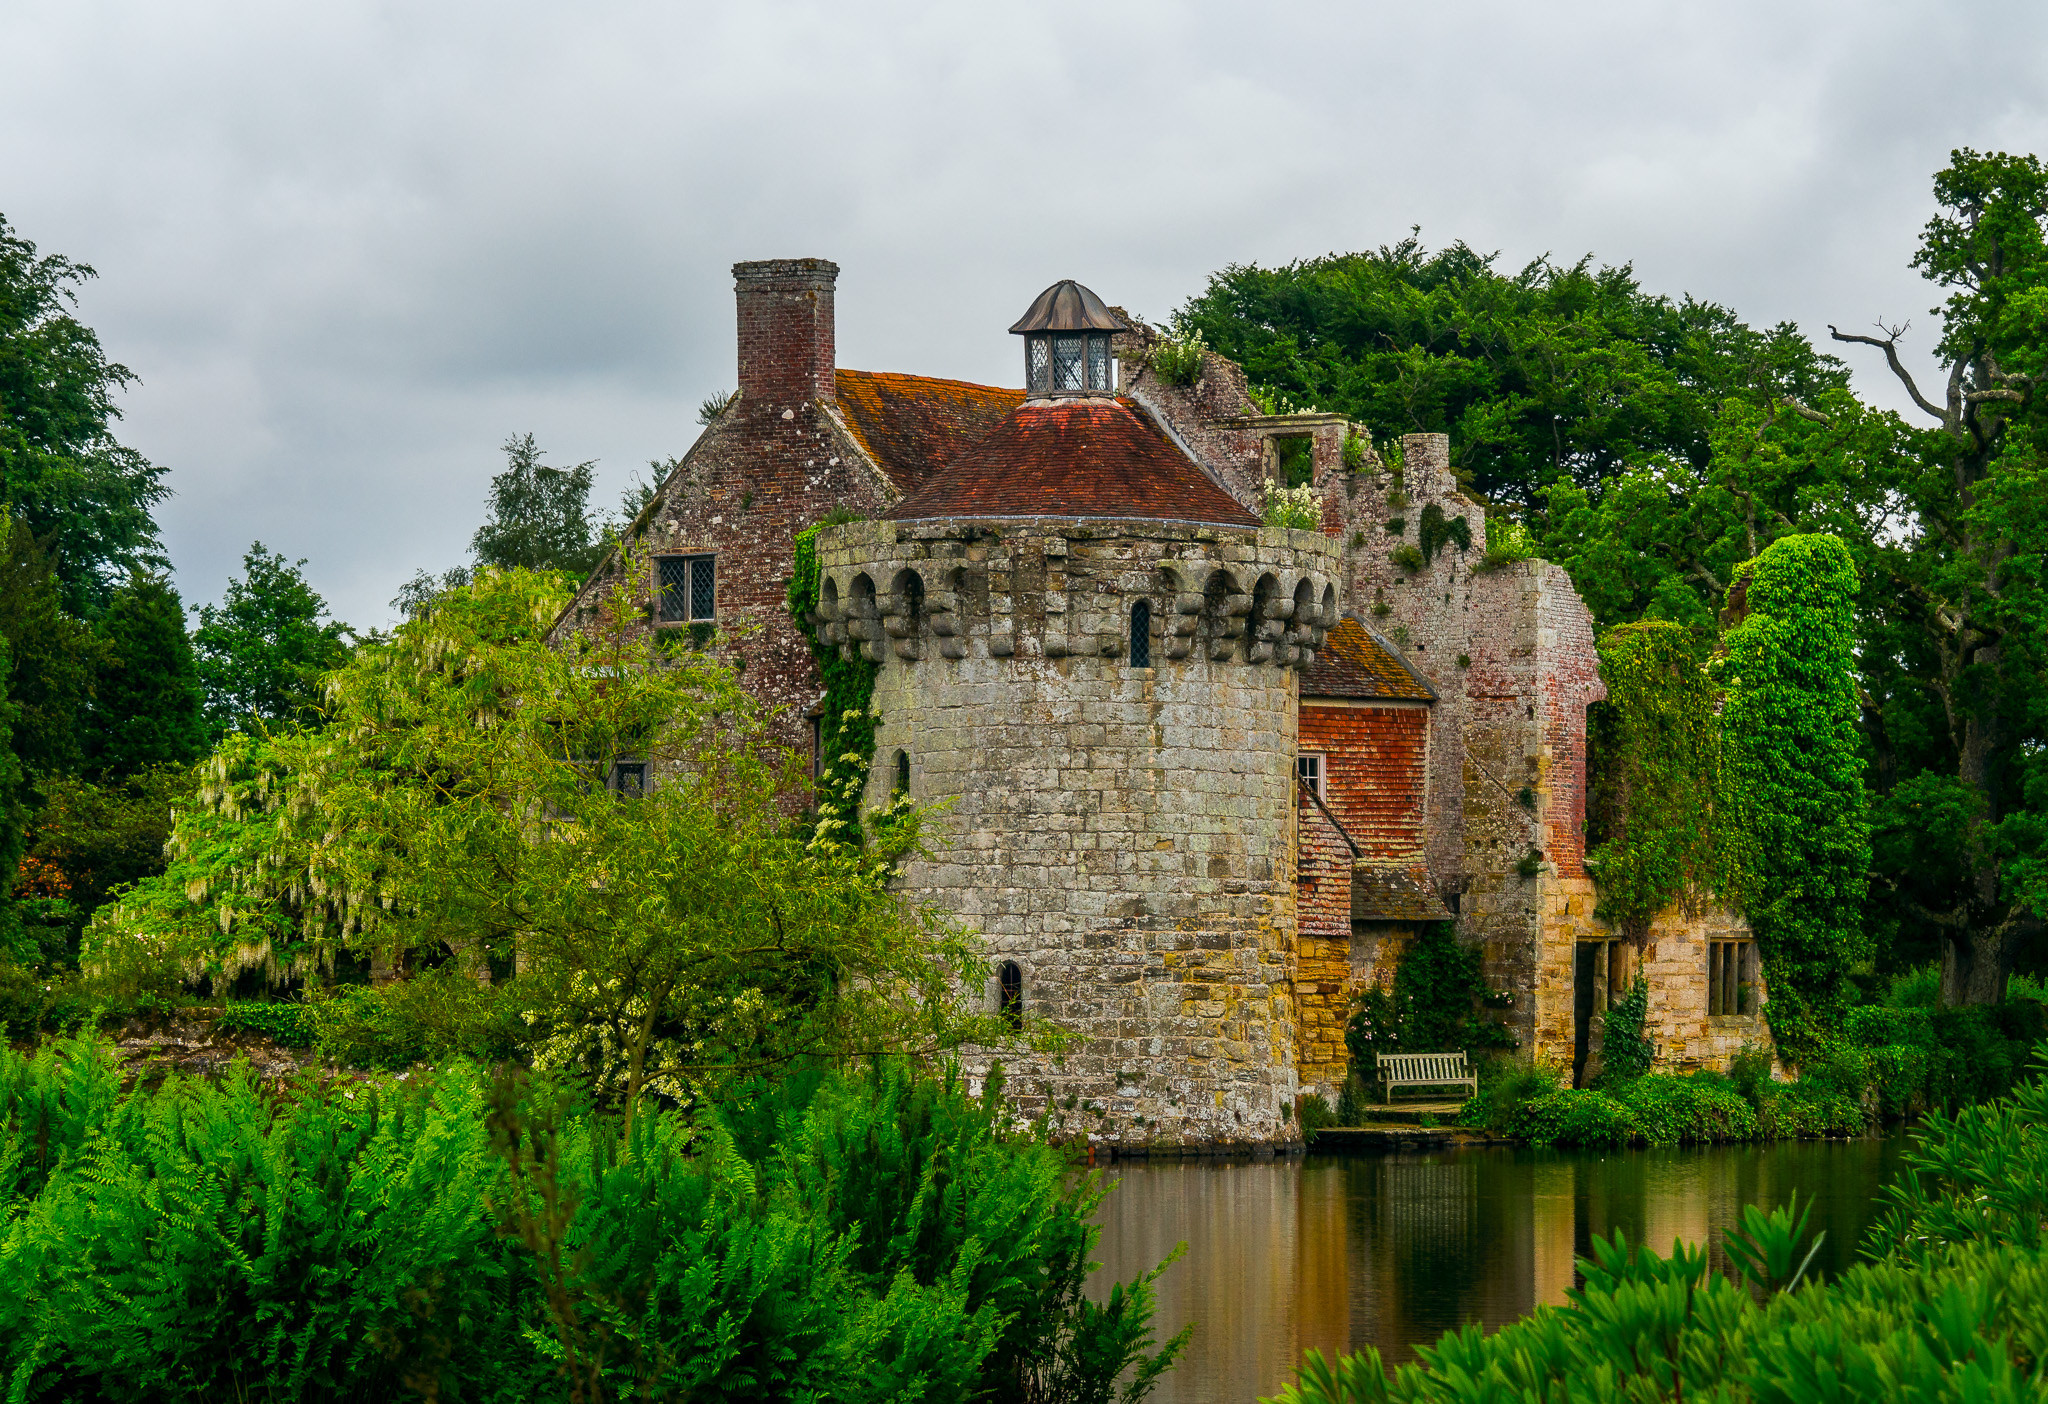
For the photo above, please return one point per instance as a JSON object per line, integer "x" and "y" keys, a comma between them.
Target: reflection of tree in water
{"x": 1436, "y": 1241}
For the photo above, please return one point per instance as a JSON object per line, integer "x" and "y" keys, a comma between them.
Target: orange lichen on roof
{"x": 1093, "y": 457}
{"x": 912, "y": 425}
{"x": 1354, "y": 661}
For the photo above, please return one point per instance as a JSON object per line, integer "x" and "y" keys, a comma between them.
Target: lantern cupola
{"x": 1066, "y": 343}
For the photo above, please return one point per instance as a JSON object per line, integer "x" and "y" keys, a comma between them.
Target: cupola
{"x": 1066, "y": 342}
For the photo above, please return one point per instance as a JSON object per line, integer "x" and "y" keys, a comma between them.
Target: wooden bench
{"x": 1424, "y": 1070}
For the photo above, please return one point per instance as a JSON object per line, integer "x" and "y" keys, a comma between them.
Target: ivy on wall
{"x": 1655, "y": 812}
{"x": 1438, "y": 1004}
{"x": 846, "y": 729}
{"x": 1795, "y": 778}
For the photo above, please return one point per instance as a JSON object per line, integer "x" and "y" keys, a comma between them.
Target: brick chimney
{"x": 785, "y": 310}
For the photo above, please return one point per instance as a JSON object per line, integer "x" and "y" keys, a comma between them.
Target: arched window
{"x": 1010, "y": 993}
{"x": 1141, "y": 634}
{"x": 902, "y": 786}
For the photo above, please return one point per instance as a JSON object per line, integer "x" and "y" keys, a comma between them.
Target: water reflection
{"x": 1341, "y": 1252}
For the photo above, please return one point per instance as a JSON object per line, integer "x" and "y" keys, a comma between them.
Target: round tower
{"x": 1088, "y": 653}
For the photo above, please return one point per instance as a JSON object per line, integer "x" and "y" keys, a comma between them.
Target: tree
{"x": 263, "y": 649}
{"x": 148, "y": 707}
{"x": 539, "y": 515}
{"x": 13, "y": 818}
{"x": 86, "y": 497}
{"x": 50, "y": 681}
{"x": 1956, "y": 652}
{"x": 1550, "y": 375}
{"x": 1795, "y": 778}
{"x": 608, "y": 812}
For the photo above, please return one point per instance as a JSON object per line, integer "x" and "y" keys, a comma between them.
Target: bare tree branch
{"x": 1889, "y": 344}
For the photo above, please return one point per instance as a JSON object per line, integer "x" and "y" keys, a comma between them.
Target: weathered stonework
{"x": 1133, "y": 836}
{"x": 1124, "y": 834}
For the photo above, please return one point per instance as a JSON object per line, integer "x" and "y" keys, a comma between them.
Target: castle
{"x": 1205, "y": 776}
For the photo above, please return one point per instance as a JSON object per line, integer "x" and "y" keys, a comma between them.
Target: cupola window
{"x": 1067, "y": 335}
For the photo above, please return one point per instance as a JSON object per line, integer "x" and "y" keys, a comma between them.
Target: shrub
{"x": 439, "y": 1014}
{"x": 1177, "y": 360}
{"x": 1297, "y": 508}
{"x": 1698, "y": 1109}
{"x": 1437, "y": 1005}
{"x": 1952, "y": 1305}
{"x": 284, "y": 1024}
{"x": 1354, "y": 450}
{"x": 1506, "y": 1086}
{"x": 1312, "y": 1111}
{"x": 858, "y": 1236}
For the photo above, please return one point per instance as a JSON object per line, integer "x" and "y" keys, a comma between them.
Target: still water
{"x": 1345, "y": 1251}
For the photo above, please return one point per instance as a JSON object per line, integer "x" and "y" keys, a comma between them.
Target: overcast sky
{"x": 349, "y": 248}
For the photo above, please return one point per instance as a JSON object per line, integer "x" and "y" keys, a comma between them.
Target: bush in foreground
{"x": 1952, "y": 1306}
{"x": 836, "y": 1236}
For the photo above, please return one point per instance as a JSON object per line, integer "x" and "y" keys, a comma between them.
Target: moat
{"x": 1344, "y": 1251}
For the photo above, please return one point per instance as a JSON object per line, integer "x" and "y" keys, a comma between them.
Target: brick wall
{"x": 763, "y": 471}
{"x": 1376, "y": 781}
{"x": 786, "y": 330}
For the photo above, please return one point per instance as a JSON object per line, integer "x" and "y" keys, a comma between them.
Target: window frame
{"x": 689, "y": 560}
{"x": 1320, "y": 761}
{"x": 1730, "y": 978}
{"x": 1141, "y": 634}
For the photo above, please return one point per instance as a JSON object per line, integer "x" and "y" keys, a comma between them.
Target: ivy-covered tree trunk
{"x": 1795, "y": 773}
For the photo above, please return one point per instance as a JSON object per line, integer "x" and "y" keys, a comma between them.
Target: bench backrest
{"x": 1423, "y": 1067}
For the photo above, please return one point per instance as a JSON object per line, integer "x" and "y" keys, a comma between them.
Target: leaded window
{"x": 629, "y": 778}
{"x": 1067, "y": 371}
{"x": 1039, "y": 367}
{"x": 1141, "y": 634}
{"x": 1098, "y": 363}
{"x": 689, "y": 589}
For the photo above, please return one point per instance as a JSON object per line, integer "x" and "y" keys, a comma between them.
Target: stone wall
{"x": 1124, "y": 834}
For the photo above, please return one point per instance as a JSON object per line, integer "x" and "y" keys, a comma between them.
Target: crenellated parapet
{"x": 1054, "y": 589}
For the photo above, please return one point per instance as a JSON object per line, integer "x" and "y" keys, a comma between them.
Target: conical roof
{"x": 1067, "y": 306}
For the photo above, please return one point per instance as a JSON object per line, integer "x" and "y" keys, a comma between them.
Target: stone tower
{"x": 1088, "y": 657}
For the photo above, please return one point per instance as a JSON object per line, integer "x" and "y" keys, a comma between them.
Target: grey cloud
{"x": 351, "y": 247}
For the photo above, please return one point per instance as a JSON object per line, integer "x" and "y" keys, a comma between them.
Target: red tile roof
{"x": 1074, "y": 458}
{"x": 911, "y": 425}
{"x": 1356, "y": 662}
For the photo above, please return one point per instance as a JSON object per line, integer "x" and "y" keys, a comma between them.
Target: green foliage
{"x": 457, "y": 808}
{"x": 439, "y": 1014}
{"x": 1296, "y": 508}
{"x": 264, "y": 648}
{"x": 1354, "y": 450}
{"x": 1438, "y": 1004}
{"x": 539, "y": 515}
{"x": 1655, "y": 814}
{"x": 1439, "y": 531}
{"x": 1176, "y": 358}
{"x": 148, "y": 706}
{"x": 1549, "y": 374}
{"x": 63, "y": 475}
{"x": 1626, "y": 1049}
{"x": 847, "y": 1237}
{"x": 1795, "y": 777}
{"x": 52, "y": 657}
{"x": 1312, "y": 1112}
{"x": 86, "y": 843}
{"x": 1507, "y": 542}
{"x": 1408, "y": 558}
{"x": 1952, "y": 1305}
{"x": 282, "y": 1024}
{"x": 713, "y": 409}
{"x": 846, "y": 727}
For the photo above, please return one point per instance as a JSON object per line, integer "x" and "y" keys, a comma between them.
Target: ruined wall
{"x": 1673, "y": 962}
{"x": 1124, "y": 834}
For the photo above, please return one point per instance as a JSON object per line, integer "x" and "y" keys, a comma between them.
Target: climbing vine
{"x": 1440, "y": 530}
{"x": 846, "y": 727}
{"x": 1626, "y": 1050}
{"x": 1796, "y": 777}
{"x": 1655, "y": 813}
